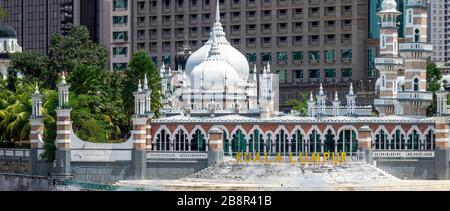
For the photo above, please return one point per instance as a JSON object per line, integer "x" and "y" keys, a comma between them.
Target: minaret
{"x": 441, "y": 101}
{"x": 336, "y": 105}
{"x": 389, "y": 63}
{"x": 321, "y": 101}
{"x": 64, "y": 125}
{"x": 351, "y": 102}
{"x": 265, "y": 94}
{"x": 36, "y": 131}
{"x": 140, "y": 127}
{"x": 415, "y": 99}
{"x": 311, "y": 106}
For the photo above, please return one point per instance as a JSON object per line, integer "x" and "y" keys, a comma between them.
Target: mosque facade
{"x": 8, "y": 45}
{"x": 216, "y": 89}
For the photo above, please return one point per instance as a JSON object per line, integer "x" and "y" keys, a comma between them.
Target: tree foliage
{"x": 3, "y": 13}
{"x": 434, "y": 77}
{"x": 35, "y": 67}
{"x": 300, "y": 106}
{"x": 140, "y": 65}
{"x": 66, "y": 52}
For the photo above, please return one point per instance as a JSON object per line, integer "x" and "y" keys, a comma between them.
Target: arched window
{"x": 383, "y": 81}
{"x": 389, "y": 18}
{"x": 410, "y": 16}
{"x": 5, "y": 46}
{"x": 395, "y": 47}
{"x": 383, "y": 44}
{"x": 416, "y": 84}
{"x": 417, "y": 35}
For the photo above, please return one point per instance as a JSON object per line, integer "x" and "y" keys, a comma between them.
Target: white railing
{"x": 403, "y": 154}
{"x": 389, "y": 24}
{"x": 416, "y": 46}
{"x": 14, "y": 153}
{"x": 415, "y": 95}
{"x": 398, "y": 61}
{"x": 384, "y": 102}
{"x": 176, "y": 156}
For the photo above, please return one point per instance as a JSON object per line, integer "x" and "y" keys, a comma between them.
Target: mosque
{"x": 8, "y": 45}
{"x": 216, "y": 89}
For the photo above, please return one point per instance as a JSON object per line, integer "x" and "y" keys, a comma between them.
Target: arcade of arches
{"x": 295, "y": 139}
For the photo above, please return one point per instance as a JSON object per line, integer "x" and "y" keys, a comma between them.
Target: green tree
{"x": 140, "y": 65}
{"x": 3, "y": 13}
{"x": 66, "y": 52}
{"x": 15, "y": 107}
{"x": 34, "y": 67}
{"x": 97, "y": 109}
{"x": 300, "y": 106}
{"x": 434, "y": 77}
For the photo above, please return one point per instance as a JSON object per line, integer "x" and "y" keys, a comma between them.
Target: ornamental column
{"x": 140, "y": 127}
{"x": 36, "y": 131}
{"x": 215, "y": 149}
{"x": 64, "y": 129}
{"x": 365, "y": 143}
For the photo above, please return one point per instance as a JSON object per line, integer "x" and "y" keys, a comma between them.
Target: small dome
{"x": 389, "y": 5}
{"x": 7, "y": 32}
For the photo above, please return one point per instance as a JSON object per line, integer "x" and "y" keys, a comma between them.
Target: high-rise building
{"x": 306, "y": 42}
{"x": 440, "y": 30}
{"x": 36, "y": 21}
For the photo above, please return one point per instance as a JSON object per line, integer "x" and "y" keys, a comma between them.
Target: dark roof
{"x": 7, "y": 32}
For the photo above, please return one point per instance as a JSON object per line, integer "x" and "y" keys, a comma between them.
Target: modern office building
{"x": 440, "y": 31}
{"x": 36, "y": 21}
{"x": 306, "y": 42}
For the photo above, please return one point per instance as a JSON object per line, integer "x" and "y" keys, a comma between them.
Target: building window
{"x": 120, "y": 20}
{"x": 314, "y": 74}
{"x": 120, "y": 51}
{"x": 346, "y": 55}
{"x": 416, "y": 84}
{"x": 282, "y": 75}
{"x": 167, "y": 60}
{"x": 251, "y": 57}
{"x": 417, "y": 35}
{"x": 119, "y": 66}
{"x": 282, "y": 57}
{"x": 120, "y": 5}
{"x": 298, "y": 74}
{"x": 297, "y": 56}
{"x": 330, "y": 55}
{"x": 314, "y": 56}
{"x": 266, "y": 57}
{"x": 155, "y": 60}
{"x": 330, "y": 73}
{"x": 123, "y": 36}
{"x": 347, "y": 73}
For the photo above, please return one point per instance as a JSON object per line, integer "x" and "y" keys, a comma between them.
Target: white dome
{"x": 389, "y": 5}
{"x": 227, "y": 52}
{"x": 214, "y": 73}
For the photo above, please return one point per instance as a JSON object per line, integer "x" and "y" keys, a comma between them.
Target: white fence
{"x": 403, "y": 154}
{"x": 14, "y": 153}
{"x": 176, "y": 156}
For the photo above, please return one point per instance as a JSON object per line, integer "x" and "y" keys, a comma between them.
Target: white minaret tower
{"x": 311, "y": 106}
{"x": 336, "y": 105}
{"x": 389, "y": 63}
{"x": 351, "y": 102}
{"x": 321, "y": 101}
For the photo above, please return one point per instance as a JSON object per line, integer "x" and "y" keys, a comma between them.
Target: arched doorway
{"x": 329, "y": 142}
{"x": 198, "y": 142}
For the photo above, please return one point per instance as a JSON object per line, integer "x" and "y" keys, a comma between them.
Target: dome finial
{"x": 389, "y": 5}
{"x": 311, "y": 98}
{"x": 63, "y": 78}
{"x": 321, "y": 89}
{"x": 441, "y": 88}
{"x": 36, "y": 92}
{"x": 351, "y": 89}
{"x": 145, "y": 82}
{"x": 139, "y": 86}
{"x": 217, "y": 12}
